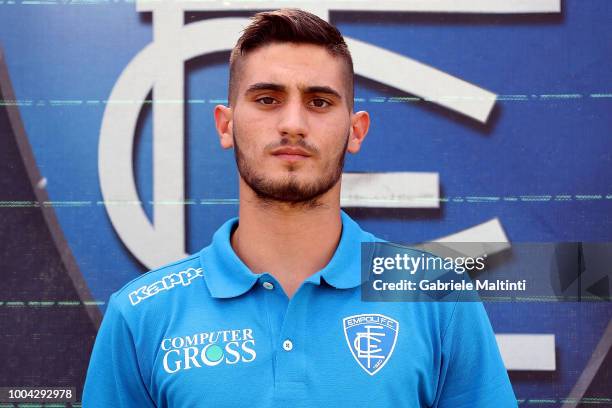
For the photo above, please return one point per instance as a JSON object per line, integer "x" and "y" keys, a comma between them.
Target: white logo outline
{"x": 162, "y": 239}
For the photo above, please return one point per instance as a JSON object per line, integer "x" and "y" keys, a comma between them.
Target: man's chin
{"x": 290, "y": 192}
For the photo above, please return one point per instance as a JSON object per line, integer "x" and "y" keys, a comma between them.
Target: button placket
{"x": 275, "y": 305}
{"x": 290, "y": 361}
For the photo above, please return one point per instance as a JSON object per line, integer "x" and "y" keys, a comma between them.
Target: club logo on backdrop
{"x": 158, "y": 69}
{"x": 161, "y": 240}
{"x": 371, "y": 339}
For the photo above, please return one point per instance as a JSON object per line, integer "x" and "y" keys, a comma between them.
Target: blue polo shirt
{"x": 208, "y": 332}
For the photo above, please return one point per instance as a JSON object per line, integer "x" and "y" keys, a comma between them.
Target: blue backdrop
{"x": 542, "y": 164}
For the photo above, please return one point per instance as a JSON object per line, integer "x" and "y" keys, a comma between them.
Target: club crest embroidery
{"x": 371, "y": 339}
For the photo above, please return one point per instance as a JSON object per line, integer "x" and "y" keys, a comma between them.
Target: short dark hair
{"x": 290, "y": 26}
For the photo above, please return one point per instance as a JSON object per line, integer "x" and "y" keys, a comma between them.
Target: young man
{"x": 270, "y": 314}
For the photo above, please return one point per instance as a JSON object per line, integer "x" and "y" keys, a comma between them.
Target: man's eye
{"x": 320, "y": 103}
{"x": 266, "y": 100}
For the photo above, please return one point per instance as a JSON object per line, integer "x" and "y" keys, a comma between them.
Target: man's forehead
{"x": 297, "y": 66}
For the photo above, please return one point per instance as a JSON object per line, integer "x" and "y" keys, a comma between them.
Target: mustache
{"x": 301, "y": 143}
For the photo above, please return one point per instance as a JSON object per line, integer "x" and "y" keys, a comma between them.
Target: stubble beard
{"x": 290, "y": 190}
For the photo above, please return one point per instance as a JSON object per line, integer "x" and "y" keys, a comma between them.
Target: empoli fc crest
{"x": 371, "y": 339}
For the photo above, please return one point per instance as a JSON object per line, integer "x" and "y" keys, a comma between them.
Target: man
{"x": 270, "y": 314}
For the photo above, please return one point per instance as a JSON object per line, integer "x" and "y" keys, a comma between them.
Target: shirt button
{"x": 287, "y": 345}
{"x": 268, "y": 285}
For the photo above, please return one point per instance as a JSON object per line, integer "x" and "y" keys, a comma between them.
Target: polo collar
{"x": 227, "y": 276}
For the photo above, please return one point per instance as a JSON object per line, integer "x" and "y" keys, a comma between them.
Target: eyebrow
{"x": 265, "y": 86}
{"x": 269, "y": 86}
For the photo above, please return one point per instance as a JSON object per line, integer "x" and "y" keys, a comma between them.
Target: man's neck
{"x": 289, "y": 242}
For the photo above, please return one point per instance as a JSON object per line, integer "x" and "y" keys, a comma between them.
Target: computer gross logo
{"x": 208, "y": 349}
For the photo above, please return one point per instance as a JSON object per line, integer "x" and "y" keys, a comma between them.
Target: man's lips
{"x": 291, "y": 153}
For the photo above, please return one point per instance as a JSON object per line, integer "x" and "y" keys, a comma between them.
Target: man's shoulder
{"x": 179, "y": 273}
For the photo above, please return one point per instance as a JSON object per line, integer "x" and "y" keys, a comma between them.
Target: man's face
{"x": 291, "y": 121}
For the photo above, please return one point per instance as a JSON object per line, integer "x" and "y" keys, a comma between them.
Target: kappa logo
{"x": 166, "y": 283}
{"x": 371, "y": 339}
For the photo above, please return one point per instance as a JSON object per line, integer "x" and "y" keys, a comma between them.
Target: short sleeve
{"x": 113, "y": 377}
{"x": 472, "y": 371}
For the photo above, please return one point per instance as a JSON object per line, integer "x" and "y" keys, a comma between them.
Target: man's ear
{"x": 360, "y": 123}
{"x": 224, "y": 123}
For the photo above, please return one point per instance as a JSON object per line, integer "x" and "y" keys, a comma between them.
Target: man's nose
{"x": 293, "y": 121}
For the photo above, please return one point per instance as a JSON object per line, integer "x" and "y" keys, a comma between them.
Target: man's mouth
{"x": 291, "y": 153}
